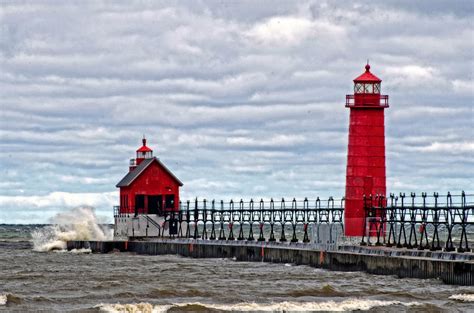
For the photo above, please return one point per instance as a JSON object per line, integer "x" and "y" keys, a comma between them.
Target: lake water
{"x": 59, "y": 281}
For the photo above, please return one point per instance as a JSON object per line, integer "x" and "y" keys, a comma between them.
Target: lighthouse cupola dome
{"x": 144, "y": 152}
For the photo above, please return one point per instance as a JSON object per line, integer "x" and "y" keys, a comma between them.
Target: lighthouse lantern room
{"x": 365, "y": 173}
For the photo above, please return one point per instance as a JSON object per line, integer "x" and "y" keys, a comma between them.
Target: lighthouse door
{"x": 155, "y": 204}
{"x": 139, "y": 204}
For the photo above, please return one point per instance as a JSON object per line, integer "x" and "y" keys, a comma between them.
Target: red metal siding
{"x": 154, "y": 180}
{"x": 365, "y": 173}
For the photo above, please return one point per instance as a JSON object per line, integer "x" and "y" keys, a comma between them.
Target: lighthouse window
{"x": 358, "y": 88}
{"x": 369, "y": 88}
{"x": 376, "y": 88}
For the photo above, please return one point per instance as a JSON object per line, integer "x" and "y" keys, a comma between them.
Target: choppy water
{"x": 58, "y": 281}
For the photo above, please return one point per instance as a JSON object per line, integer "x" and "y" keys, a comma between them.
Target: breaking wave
{"x": 8, "y": 298}
{"x": 286, "y": 306}
{"x": 466, "y": 297}
{"x": 77, "y": 224}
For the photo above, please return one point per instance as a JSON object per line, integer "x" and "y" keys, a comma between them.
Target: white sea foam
{"x": 466, "y": 297}
{"x": 77, "y": 224}
{"x": 3, "y": 299}
{"x": 286, "y": 306}
{"x": 134, "y": 308}
{"x": 75, "y": 251}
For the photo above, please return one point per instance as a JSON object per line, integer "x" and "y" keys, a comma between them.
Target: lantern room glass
{"x": 144, "y": 155}
{"x": 372, "y": 88}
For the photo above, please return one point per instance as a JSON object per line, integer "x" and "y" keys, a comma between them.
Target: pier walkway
{"x": 450, "y": 267}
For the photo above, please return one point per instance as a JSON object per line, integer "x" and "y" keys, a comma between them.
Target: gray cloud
{"x": 239, "y": 99}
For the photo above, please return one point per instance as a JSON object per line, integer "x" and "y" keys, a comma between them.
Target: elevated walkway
{"x": 450, "y": 267}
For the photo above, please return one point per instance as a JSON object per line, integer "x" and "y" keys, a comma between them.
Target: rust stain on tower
{"x": 365, "y": 174}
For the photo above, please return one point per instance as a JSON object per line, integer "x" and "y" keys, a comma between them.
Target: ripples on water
{"x": 124, "y": 282}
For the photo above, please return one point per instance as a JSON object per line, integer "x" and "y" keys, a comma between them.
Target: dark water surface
{"x": 123, "y": 282}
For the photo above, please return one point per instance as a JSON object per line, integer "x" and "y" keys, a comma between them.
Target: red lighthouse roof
{"x": 367, "y": 77}
{"x": 144, "y": 148}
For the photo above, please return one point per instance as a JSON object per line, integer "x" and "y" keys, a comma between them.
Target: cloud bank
{"x": 239, "y": 99}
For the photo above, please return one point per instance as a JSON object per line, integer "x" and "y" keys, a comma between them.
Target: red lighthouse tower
{"x": 365, "y": 173}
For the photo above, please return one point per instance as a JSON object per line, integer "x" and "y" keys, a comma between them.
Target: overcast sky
{"x": 239, "y": 99}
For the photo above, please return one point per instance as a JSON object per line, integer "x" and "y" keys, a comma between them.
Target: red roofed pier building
{"x": 147, "y": 192}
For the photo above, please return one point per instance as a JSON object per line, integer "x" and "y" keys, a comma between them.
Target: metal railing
{"x": 424, "y": 222}
{"x": 432, "y": 222}
{"x": 242, "y": 220}
{"x": 368, "y": 99}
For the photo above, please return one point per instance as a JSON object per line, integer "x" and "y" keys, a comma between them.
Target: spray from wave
{"x": 77, "y": 224}
{"x": 3, "y": 299}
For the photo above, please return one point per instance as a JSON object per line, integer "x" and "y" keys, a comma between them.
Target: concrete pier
{"x": 450, "y": 267}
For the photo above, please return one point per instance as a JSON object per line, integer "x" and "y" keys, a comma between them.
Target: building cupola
{"x": 143, "y": 153}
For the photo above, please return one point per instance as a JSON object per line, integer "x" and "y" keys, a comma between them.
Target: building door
{"x": 139, "y": 204}
{"x": 169, "y": 202}
{"x": 155, "y": 204}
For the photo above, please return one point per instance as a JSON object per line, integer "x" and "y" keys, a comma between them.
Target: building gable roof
{"x": 135, "y": 173}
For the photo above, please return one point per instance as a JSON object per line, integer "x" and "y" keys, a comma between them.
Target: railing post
{"x": 402, "y": 223}
{"x": 412, "y": 223}
{"x": 464, "y": 222}
{"x": 379, "y": 214}
{"x": 436, "y": 225}
{"x": 188, "y": 220}
{"x": 306, "y": 220}
{"x": 449, "y": 220}
{"x": 213, "y": 210}
{"x": 222, "y": 231}
{"x": 272, "y": 221}
{"x": 293, "y": 220}
{"x": 231, "y": 222}
{"x": 424, "y": 223}
{"x": 250, "y": 237}
{"x": 282, "y": 222}
{"x": 204, "y": 219}
{"x": 362, "y": 242}
{"x": 262, "y": 222}
{"x": 180, "y": 220}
